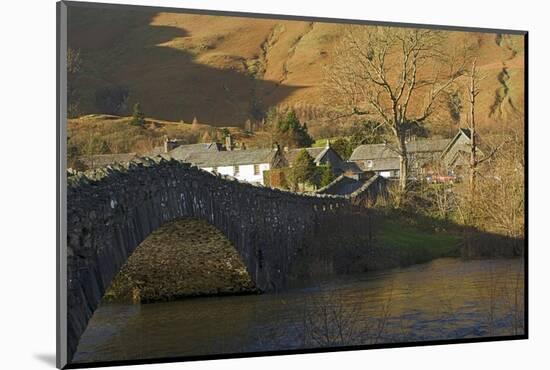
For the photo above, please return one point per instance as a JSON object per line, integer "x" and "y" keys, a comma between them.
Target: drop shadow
{"x": 46, "y": 358}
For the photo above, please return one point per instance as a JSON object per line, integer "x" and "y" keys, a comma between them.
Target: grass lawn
{"x": 409, "y": 239}
{"x": 322, "y": 142}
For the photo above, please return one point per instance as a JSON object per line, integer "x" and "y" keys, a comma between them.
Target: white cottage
{"x": 244, "y": 165}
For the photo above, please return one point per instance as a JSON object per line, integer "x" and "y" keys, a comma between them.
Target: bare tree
{"x": 475, "y": 77}
{"x": 473, "y": 92}
{"x": 397, "y": 76}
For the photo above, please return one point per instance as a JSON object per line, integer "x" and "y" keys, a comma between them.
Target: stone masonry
{"x": 112, "y": 210}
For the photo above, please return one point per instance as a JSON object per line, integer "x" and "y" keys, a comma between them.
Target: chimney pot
{"x": 228, "y": 143}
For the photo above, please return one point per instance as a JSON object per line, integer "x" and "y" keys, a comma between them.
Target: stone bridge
{"x": 111, "y": 211}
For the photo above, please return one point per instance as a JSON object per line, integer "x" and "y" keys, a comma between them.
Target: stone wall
{"x": 111, "y": 210}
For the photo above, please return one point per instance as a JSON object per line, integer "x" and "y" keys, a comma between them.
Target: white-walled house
{"x": 244, "y": 165}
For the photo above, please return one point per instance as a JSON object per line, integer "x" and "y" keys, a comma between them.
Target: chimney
{"x": 169, "y": 144}
{"x": 328, "y": 144}
{"x": 228, "y": 143}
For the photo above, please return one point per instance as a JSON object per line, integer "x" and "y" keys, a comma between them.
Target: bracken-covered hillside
{"x": 224, "y": 70}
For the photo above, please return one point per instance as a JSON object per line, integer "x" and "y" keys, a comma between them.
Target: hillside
{"x": 225, "y": 70}
{"x": 107, "y": 134}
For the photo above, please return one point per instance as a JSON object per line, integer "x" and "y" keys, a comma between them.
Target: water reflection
{"x": 443, "y": 299}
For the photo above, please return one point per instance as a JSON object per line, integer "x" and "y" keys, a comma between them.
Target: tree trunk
{"x": 403, "y": 172}
{"x": 473, "y": 144}
{"x": 403, "y": 164}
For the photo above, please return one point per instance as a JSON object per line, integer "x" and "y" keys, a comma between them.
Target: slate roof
{"x": 351, "y": 167}
{"x": 372, "y": 151}
{"x": 231, "y": 158}
{"x": 428, "y": 145}
{"x": 380, "y": 151}
{"x": 342, "y": 186}
{"x": 183, "y": 151}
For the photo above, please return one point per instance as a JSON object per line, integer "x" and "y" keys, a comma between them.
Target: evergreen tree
{"x": 303, "y": 169}
{"x": 343, "y": 147}
{"x": 287, "y": 129}
{"x": 326, "y": 176}
{"x": 138, "y": 118}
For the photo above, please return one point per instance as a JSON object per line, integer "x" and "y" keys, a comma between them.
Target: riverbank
{"x": 394, "y": 242}
{"x": 423, "y": 239}
{"x": 183, "y": 258}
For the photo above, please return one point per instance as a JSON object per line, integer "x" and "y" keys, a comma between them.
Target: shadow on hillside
{"x": 120, "y": 47}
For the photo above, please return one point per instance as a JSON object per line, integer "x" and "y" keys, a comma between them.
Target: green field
{"x": 322, "y": 142}
{"x": 414, "y": 241}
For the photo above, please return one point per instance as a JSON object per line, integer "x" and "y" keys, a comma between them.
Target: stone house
{"x": 424, "y": 155}
{"x": 321, "y": 156}
{"x": 456, "y": 154}
{"x": 245, "y": 165}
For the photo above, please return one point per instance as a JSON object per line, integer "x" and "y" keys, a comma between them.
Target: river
{"x": 443, "y": 299}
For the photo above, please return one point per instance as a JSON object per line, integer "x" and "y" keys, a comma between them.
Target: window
{"x": 369, "y": 163}
{"x": 235, "y": 170}
{"x": 256, "y": 169}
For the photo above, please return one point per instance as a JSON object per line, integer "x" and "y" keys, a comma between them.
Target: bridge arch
{"x": 184, "y": 257}
{"x": 111, "y": 211}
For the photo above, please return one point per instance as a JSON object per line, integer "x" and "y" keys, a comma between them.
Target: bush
{"x": 138, "y": 118}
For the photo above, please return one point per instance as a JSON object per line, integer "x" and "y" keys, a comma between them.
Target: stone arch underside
{"x": 111, "y": 211}
{"x": 183, "y": 258}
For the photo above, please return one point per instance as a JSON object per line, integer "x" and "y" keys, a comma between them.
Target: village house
{"x": 229, "y": 159}
{"x": 181, "y": 152}
{"x": 321, "y": 156}
{"x": 456, "y": 154}
{"x": 424, "y": 155}
{"x": 244, "y": 165}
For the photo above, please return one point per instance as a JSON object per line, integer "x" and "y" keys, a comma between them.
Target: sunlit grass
{"x": 408, "y": 238}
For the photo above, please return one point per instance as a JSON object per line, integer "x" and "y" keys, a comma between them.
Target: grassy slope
{"x": 181, "y": 66}
{"x": 119, "y": 136}
{"x": 113, "y": 134}
{"x": 416, "y": 244}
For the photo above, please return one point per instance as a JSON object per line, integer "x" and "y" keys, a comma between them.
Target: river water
{"x": 443, "y": 299}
